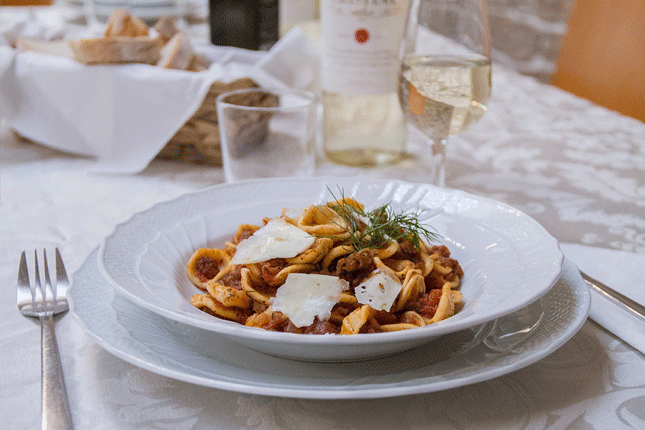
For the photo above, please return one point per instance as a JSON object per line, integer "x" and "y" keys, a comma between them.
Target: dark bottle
{"x": 250, "y": 24}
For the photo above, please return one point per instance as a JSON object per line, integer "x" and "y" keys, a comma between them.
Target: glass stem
{"x": 438, "y": 161}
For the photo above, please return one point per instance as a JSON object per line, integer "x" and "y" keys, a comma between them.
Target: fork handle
{"x": 55, "y": 406}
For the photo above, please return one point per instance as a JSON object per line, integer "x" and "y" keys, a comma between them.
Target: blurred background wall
{"x": 526, "y": 34}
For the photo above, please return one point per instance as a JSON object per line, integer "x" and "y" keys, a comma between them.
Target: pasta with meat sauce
{"x": 331, "y": 268}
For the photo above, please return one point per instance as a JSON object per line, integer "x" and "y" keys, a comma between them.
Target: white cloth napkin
{"x": 41, "y": 23}
{"x": 622, "y": 271}
{"x": 124, "y": 115}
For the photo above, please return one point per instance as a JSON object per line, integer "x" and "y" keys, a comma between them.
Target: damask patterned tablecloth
{"x": 576, "y": 168}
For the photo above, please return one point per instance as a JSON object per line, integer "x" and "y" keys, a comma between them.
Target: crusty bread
{"x": 60, "y": 48}
{"x": 116, "y": 50}
{"x": 121, "y": 24}
{"x": 165, "y": 26}
{"x": 126, "y": 40}
{"x": 197, "y": 64}
{"x": 177, "y": 53}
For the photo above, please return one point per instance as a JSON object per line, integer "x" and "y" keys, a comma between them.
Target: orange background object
{"x": 26, "y": 2}
{"x": 603, "y": 55}
{"x": 416, "y": 102}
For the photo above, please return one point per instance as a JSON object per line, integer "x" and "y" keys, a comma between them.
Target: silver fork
{"x": 43, "y": 302}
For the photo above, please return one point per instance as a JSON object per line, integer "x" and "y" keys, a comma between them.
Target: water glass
{"x": 267, "y": 133}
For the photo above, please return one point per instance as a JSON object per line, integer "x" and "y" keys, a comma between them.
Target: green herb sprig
{"x": 376, "y": 228}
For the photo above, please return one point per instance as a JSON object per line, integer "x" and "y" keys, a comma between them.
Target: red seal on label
{"x": 361, "y": 35}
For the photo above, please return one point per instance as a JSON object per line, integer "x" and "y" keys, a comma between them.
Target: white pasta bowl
{"x": 509, "y": 259}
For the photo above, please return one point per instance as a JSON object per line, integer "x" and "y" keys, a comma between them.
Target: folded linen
{"x": 625, "y": 273}
{"x": 124, "y": 115}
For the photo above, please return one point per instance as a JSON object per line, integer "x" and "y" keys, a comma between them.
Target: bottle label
{"x": 360, "y": 41}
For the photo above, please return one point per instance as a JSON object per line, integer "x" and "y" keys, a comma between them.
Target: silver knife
{"x": 615, "y": 297}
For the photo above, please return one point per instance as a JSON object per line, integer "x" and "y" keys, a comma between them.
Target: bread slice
{"x": 121, "y": 24}
{"x": 197, "y": 64}
{"x": 59, "y": 48}
{"x": 117, "y": 50}
{"x": 165, "y": 26}
{"x": 177, "y": 53}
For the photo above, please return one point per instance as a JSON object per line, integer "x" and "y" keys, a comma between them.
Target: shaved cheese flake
{"x": 277, "y": 239}
{"x": 379, "y": 291}
{"x": 293, "y": 212}
{"x": 305, "y": 296}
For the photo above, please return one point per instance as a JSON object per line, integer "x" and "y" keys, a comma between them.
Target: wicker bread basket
{"x": 198, "y": 140}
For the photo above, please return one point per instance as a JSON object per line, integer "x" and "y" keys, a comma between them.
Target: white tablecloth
{"x": 576, "y": 168}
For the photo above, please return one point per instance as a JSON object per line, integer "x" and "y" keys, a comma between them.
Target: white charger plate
{"x": 189, "y": 354}
{"x": 508, "y": 258}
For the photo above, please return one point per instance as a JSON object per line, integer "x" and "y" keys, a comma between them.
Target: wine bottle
{"x": 249, "y": 24}
{"x": 363, "y": 124}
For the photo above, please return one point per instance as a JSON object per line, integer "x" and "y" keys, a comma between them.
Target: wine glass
{"x": 445, "y": 79}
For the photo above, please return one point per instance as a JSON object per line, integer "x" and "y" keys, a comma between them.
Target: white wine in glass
{"x": 445, "y": 79}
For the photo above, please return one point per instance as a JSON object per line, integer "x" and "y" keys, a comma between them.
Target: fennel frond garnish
{"x": 376, "y": 228}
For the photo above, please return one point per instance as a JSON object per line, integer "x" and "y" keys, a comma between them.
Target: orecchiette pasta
{"x": 404, "y": 283}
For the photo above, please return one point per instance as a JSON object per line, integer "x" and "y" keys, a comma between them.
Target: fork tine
{"x": 48, "y": 291}
{"x": 62, "y": 283}
{"x": 24, "y": 292}
{"x": 38, "y": 288}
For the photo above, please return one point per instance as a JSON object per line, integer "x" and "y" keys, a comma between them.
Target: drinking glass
{"x": 445, "y": 79}
{"x": 267, "y": 133}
